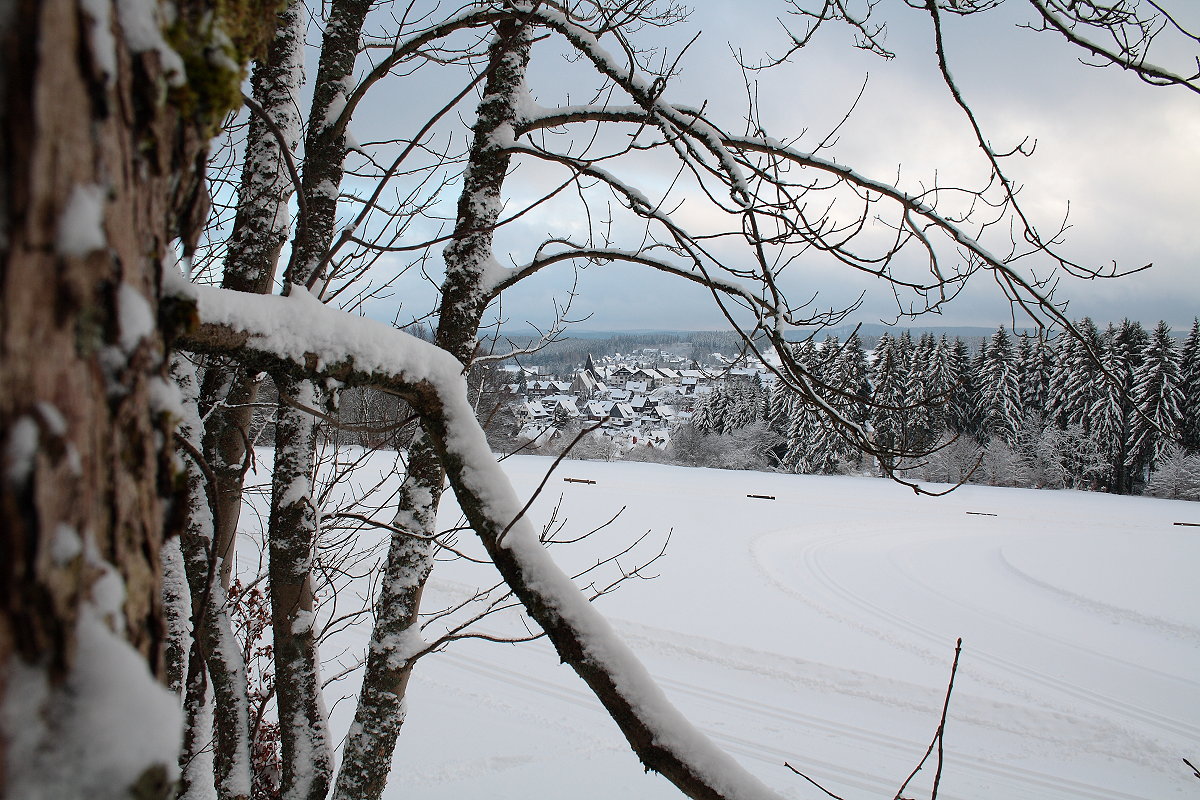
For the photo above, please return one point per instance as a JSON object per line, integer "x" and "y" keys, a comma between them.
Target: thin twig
{"x": 937, "y": 737}
{"x": 545, "y": 478}
{"x": 814, "y": 783}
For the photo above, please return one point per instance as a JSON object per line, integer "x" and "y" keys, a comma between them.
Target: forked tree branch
{"x": 297, "y": 336}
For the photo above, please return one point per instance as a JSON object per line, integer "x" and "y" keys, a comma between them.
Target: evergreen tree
{"x": 561, "y": 418}
{"x": 975, "y": 369}
{"x": 905, "y": 353}
{"x": 744, "y": 403}
{"x": 1157, "y": 396}
{"x": 853, "y": 375}
{"x": 847, "y": 374}
{"x": 1112, "y": 415}
{"x": 889, "y": 417}
{"x": 708, "y": 414}
{"x": 1035, "y": 365}
{"x": 961, "y": 416}
{"x": 945, "y": 375}
{"x": 999, "y": 391}
{"x": 925, "y": 414}
{"x": 1077, "y": 379}
{"x": 796, "y": 419}
{"x": 1189, "y": 386}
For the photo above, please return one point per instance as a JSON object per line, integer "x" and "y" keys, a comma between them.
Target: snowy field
{"x": 819, "y": 628}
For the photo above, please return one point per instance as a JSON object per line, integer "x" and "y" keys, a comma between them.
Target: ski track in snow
{"x": 778, "y": 721}
{"x": 874, "y": 612}
{"x": 1114, "y": 612}
{"x": 818, "y": 629}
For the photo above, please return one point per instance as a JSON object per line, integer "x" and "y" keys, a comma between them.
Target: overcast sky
{"x": 1122, "y": 154}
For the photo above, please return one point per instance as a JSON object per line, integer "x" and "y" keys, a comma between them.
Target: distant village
{"x": 636, "y": 398}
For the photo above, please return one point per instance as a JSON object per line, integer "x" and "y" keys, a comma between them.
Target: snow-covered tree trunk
{"x": 367, "y": 756}
{"x": 177, "y": 610}
{"x": 469, "y": 259}
{"x": 224, "y": 729}
{"x": 260, "y": 229}
{"x": 303, "y": 723}
{"x": 307, "y": 768}
{"x": 102, "y": 125}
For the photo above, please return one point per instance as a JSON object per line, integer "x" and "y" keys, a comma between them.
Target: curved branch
{"x": 297, "y": 335}
{"x": 1150, "y": 73}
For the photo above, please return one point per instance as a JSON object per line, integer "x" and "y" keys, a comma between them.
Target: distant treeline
{"x": 1101, "y": 409}
{"x": 563, "y": 356}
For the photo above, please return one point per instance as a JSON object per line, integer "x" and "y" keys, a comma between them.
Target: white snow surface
{"x": 112, "y": 720}
{"x": 143, "y": 31}
{"x": 100, "y": 37}
{"x": 81, "y": 225}
{"x": 136, "y": 317}
{"x": 818, "y": 628}
{"x": 22, "y": 449}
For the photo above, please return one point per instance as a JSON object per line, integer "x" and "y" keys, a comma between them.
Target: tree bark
{"x": 379, "y": 716}
{"x": 100, "y": 136}
{"x": 226, "y": 732}
{"x": 307, "y": 751}
{"x": 303, "y": 723}
{"x": 259, "y": 231}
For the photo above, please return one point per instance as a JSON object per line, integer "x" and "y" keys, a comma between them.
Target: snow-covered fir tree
{"x": 1035, "y": 364}
{"x": 1157, "y": 396}
{"x": 1113, "y": 413}
{"x": 709, "y": 413}
{"x": 847, "y": 374}
{"x": 745, "y": 402}
{"x": 1189, "y": 387}
{"x": 732, "y": 404}
{"x": 1076, "y": 382}
{"x": 961, "y": 415}
{"x": 925, "y": 406}
{"x": 796, "y": 419}
{"x": 999, "y": 392}
{"x": 890, "y": 380}
{"x": 852, "y": 373}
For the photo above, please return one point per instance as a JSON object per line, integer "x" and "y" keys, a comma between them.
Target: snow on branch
{"x": 298, "y": 335}
{"x": 1132, "y": 34}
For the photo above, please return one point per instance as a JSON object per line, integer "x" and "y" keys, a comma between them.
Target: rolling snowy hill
{"x": 819, "y": 628}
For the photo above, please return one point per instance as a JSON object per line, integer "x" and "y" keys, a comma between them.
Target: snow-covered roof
{"x": 623, "y": 411}
{"x": 599, "y": 408}
{"x": 563, "y": 401}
